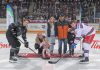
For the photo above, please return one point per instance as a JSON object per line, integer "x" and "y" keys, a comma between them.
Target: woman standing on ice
{"x": 51, "y": 32}
{"x": 88, "y": 34}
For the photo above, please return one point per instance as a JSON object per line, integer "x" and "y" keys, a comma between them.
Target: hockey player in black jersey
{"x": 12, "y": 33}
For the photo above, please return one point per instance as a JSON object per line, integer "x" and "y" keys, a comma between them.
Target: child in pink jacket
{"x": 46, "y": 51}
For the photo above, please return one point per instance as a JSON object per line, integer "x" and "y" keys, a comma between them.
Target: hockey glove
{"x": 26, "y": 44}
{"x": 37, "y": 46}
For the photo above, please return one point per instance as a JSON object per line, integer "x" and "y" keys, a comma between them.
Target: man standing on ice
{"x": 62, "y": 32}
{"x": 12, "y": 33}
{"x": 87, "y": 33}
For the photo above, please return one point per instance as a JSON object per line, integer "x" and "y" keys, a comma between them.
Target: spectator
{"x": 38, "y": 41}
{"x": 71, "y": 37}
{"x": 45, "y": 52}
{"x": 51, "y": 33}
{"x": 62, "y": 32}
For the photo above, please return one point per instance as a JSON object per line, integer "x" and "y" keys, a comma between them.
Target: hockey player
{"x": 12, "y": 33}
{"x": 87, "y": 33}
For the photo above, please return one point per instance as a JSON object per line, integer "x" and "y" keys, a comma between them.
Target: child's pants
{"x": 52, "y": 43}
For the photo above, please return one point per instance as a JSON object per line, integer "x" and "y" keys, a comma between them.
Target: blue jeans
{"x": 52, "y": 48}
{"x": 52, "y": 42}
{"x": 60, "y": 41}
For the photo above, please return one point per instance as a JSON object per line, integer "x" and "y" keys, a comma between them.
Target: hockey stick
{"x": 54, "y": 62}
{"x": 28, "y": 47}
{"x": 32, "y": 50}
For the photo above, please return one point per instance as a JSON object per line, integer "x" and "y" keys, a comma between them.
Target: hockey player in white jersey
{"x": 87, "y": 33}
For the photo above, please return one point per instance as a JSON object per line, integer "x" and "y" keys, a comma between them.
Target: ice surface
{"x": 39, "y": 64}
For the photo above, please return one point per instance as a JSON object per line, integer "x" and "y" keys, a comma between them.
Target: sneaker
{"x": 60, "y": 55}
{"x": 85, "y": 61}
{"x": 51, "y": 52}
{"x": 46, "y": 58}
{"x": 13, "y": 60}
{"x": 72, "y": 53}
{"x": 81, "y": 56}
{"x": 64, "y": 55}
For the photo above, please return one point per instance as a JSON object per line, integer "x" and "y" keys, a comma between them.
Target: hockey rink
{"x": 40, "y": 64}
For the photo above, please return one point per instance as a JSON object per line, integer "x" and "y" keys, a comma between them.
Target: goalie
{"x": 87, "y": 33}
{"x": 12, "y": 33}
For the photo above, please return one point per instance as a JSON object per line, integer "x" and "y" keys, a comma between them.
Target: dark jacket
{"x": 71, "y": 37}
{"x": 14, "y": 31}
{"x": 49, "y": 29}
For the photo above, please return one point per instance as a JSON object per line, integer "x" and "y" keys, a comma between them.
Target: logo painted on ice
{"x": 96, "y": 44}
{"x": 4, "y": 45}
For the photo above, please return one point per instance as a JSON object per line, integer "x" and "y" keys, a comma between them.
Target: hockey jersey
{"x": 83, "y": 30}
